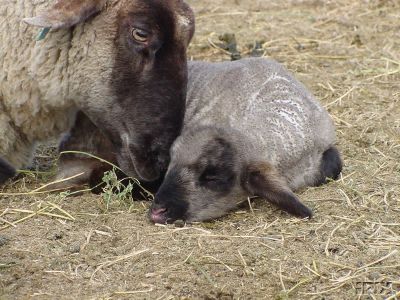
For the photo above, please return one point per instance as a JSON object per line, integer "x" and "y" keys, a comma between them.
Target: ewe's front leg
{"x": 15, "y": 150}
{"x": 6, "y": 171}
{"x": 85, "y": 138}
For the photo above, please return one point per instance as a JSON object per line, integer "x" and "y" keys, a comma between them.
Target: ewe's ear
{"x": 262, "y": 179}
{"x": 66, "y": 13}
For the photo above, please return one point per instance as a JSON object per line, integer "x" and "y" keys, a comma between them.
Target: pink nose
{"x": 158, "y": 211}
{"x": 158, "y": 215}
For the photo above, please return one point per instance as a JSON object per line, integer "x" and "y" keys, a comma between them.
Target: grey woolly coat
{"x": 274, "y": 116}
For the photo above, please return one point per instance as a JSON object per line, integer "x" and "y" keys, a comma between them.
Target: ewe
{"x": 111, "y": 59}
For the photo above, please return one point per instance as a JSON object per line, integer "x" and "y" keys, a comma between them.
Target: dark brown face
{"x": 127, "y": 72}
{"x": 148, "y": 84}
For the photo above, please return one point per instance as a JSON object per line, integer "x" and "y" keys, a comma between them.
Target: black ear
{"x": 6, "y": 171}
{"x": 262, "y": 179}
{"x": 216, "y": 166}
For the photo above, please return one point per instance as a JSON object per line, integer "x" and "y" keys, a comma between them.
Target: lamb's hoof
{"x": 303, "y": 211}
{"x": 331, "y": 165}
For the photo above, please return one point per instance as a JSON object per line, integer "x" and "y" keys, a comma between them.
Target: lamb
{"x": 250, "y": 129}
{"x": 112, "y": 59}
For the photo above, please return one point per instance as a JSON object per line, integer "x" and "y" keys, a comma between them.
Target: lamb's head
{"x": 128, "y": 73}
{"x": 210, "y": 173}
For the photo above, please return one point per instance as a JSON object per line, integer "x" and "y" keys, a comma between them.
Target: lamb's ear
{"x": 66, "y": 13}
{"x": 262, "y": 179}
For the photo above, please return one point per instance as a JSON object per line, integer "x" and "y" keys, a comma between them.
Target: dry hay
{"x": 348, "y": 54}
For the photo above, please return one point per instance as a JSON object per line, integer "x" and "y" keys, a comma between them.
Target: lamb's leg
{"x": 331, "y": 165}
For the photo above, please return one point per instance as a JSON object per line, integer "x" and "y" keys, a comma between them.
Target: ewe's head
{"x": 210, "y": 172}
{"x": 127, "y": 72}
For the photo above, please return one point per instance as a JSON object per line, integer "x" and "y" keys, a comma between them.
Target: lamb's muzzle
{"x": 158, "y": 214}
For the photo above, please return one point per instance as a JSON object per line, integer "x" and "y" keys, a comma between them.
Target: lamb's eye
{"x": 209, "y": 175}
{"x": 139, "y": 35}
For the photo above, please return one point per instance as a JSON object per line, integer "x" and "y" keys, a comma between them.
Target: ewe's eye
{"x": 139, "y": 35}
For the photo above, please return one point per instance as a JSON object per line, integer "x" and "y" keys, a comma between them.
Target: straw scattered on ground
{"x": 348, "y": 54}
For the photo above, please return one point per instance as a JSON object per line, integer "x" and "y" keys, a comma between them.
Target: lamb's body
{"x": 275, "y": 117}
{"x": 34, "y": 104}
{"x": 250, "y": 128}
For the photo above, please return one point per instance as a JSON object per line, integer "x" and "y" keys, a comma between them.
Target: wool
{"x": 34, "y": 83}
{"x": 274, "y": 116}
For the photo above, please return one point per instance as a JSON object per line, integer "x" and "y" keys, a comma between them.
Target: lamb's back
{"x": 261, "y": 99}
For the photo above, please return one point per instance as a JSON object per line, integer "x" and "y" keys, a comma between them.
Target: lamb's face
{"x": 210, "y": 173}
{"x": 202, "y": 181}
{"x": 128, "y": 73}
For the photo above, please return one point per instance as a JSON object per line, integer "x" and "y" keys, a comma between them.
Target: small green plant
{"x": 115, "y": 191}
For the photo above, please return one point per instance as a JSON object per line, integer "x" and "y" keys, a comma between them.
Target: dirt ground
{"x": 348, "y": 54}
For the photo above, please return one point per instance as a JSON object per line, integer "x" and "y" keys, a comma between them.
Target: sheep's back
{"x": 33, "y": 74}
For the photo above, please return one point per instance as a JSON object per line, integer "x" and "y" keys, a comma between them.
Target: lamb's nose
{"x": 158, "y": 211}
{"x": 158, "y": 214}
